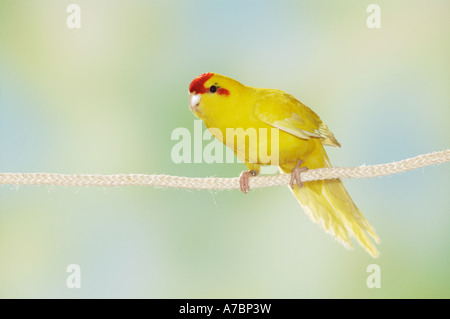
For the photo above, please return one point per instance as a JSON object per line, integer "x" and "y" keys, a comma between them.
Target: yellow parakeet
{"x": 223, "y": 103}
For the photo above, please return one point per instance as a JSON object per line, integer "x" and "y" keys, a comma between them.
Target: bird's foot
{"x": 295, "y": 174}
{"x": 244, "y": 180}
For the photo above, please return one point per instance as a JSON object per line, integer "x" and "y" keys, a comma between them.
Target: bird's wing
{"x": 286, "y": 113}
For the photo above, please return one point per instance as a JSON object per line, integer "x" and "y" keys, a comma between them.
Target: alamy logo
{"x": 74, "y": 279}
{"x": 251, "y": 142}
{"x": 374, "y": 19}
{"x": 73, "y": 21}
{"x": 374, "y": 279}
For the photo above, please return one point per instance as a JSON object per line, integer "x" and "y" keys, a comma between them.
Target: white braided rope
{"x": 222, "y": 183}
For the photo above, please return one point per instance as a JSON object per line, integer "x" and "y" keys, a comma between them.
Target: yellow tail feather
{"x": 328, "y": 204}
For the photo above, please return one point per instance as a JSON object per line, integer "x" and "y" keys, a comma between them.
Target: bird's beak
{"x": 194, "y": 100}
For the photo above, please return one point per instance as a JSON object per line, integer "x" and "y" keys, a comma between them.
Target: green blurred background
{"x": 105, "y": 98}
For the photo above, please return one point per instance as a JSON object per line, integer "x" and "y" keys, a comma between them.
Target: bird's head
{"x": 210, "y": 91}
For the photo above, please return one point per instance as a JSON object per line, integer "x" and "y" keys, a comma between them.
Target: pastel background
{"x": 105, "y": 98}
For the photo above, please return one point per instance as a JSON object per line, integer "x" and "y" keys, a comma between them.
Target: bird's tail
{"x": 327, "y": 203}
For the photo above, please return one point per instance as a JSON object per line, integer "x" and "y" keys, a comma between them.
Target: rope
{"x": 222, "y": 183}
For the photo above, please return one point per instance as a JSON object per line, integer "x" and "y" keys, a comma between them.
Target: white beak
{"x": 194, "y": 100}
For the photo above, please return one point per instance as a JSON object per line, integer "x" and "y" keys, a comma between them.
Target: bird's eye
{"x": 213, "y": 89}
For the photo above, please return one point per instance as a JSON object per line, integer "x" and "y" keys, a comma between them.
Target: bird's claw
{"x": 295, "y": 175}
{"x": 244, "y": 180}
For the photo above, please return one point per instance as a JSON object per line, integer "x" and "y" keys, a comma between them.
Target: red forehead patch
{"x": 197, "y": 85}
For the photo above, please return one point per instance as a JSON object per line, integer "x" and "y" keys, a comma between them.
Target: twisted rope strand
{"x": 222, "y": 183}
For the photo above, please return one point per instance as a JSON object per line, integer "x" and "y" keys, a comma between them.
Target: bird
{"x": 223, "y": 103}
